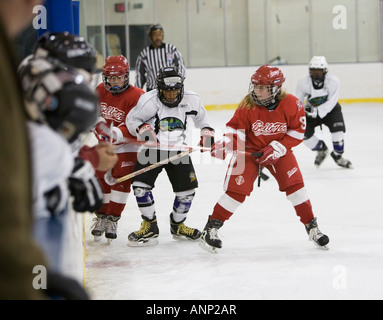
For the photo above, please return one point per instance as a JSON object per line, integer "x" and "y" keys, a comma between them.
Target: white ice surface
{"x": 266, "y": 253}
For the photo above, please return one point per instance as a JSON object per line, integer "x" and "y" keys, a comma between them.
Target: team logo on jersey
{"x": 317, "y": 101}
{"x": 261, "y": 129}
{"x": 292, "y": 171}
{"x": 239, "y": 180}
{"x": 171, "y": 124}
{"x": 300, "y": 105}
{"x": 112, "y": 113}
{"x": 192, "y": 176}
{"x": 125, "y": 164}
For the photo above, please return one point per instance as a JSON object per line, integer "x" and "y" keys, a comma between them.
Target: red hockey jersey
{"x": 258, "y": 126}
{"x": 116, "y": 108}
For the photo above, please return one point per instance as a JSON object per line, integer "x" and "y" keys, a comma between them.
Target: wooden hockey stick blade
{"x": 110, "y": 180}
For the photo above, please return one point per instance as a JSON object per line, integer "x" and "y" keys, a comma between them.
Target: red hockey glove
{"x": 222, "y": 147}
{"x": 271, "y": 153}
{"x": 207, "y": 138}
{"x": 146, "y": 133}
{"x": 101, "y": 131}
{"x": 104, "y": 134}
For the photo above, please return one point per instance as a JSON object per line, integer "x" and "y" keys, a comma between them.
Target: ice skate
{"x": 315, "y": 235}
{"x": 147, "y": 235}
{"x": 111, "y": 228}
{"x": 180, "y": 231}
{"x": 321, "y": 155}
{"x": 98, "y": 227}
{"x": 340, "y": 161}
{"x": 209, "y": 239}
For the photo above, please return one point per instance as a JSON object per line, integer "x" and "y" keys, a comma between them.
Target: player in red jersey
{"x": 272, "y": 122}
{"x": 117, "y": 98}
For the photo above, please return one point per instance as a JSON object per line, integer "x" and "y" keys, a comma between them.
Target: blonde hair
{"x": 248, "y": 103}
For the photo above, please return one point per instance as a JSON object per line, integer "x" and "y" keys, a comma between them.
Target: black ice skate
{"x": 180, "y": 231}
{"x": 111, "y": 227}
{"x": 315, "y": 235}
{"x": 147, "y": 235}
{"x": 321, "y": 155}
{"x": 340, "y": 161}
{"x": 209, "y": 239}
{"x": 98, "y": 227}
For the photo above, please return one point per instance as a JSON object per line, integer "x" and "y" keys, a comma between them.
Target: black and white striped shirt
{"x": 151, "y": 60}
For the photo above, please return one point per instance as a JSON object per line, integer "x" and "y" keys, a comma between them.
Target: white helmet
{"x": 319, "y": 62}
{"x": 318, "y": 78}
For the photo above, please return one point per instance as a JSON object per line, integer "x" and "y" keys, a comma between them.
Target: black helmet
{"x": 153, "y": 28}
{"x": 170, "y": 79}
{"x": 59, "y": 97}
{"x": 68, "y": 48}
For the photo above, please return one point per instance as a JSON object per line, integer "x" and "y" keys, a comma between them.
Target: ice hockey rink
{"x": 266, "y": 253}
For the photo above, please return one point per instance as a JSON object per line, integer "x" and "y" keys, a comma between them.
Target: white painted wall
{"x": 257, "y": 30}
{"x": 220, "y": 86}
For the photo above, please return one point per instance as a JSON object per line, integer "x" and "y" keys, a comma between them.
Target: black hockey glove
{"x": 311, "y": 112}
{"x": 84, "y": 187}
{"x": 56, "y": 199}
{"x": 207, "y": 138}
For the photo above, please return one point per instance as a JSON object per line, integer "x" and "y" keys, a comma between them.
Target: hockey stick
{"x": 198, "y": 148}
{"x": 110, "y": 180}
{"x": 149, "y": 144}
{"x": 260, "y": 175}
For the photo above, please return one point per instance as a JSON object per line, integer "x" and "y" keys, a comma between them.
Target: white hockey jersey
{"x": 52, "y": 164}
{"x": 169, "y": 124}
{"x": 324, "y": 99}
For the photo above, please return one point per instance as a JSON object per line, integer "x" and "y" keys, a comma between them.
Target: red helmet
{"x": 115, "y": 67}
{"x": 269, "y": 76}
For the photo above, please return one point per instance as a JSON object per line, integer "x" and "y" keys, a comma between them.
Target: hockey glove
{"x": 101, "y": 156}
{"x": 311, "y": 112}
{"x": 56, "y": 199}
{"x": 84, "y": 187}
{"x": 207, "y": 138}
{"x": 146, "y": 133}
{"x": 271, "y": 153}
{"x": 222, "y": 147}
{"x": 103, "y": 133}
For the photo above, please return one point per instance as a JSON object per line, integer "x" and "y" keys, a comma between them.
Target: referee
{"x": 156, "y": 56}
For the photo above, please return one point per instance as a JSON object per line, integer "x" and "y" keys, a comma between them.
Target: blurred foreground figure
{"x": 19, "y": 254}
